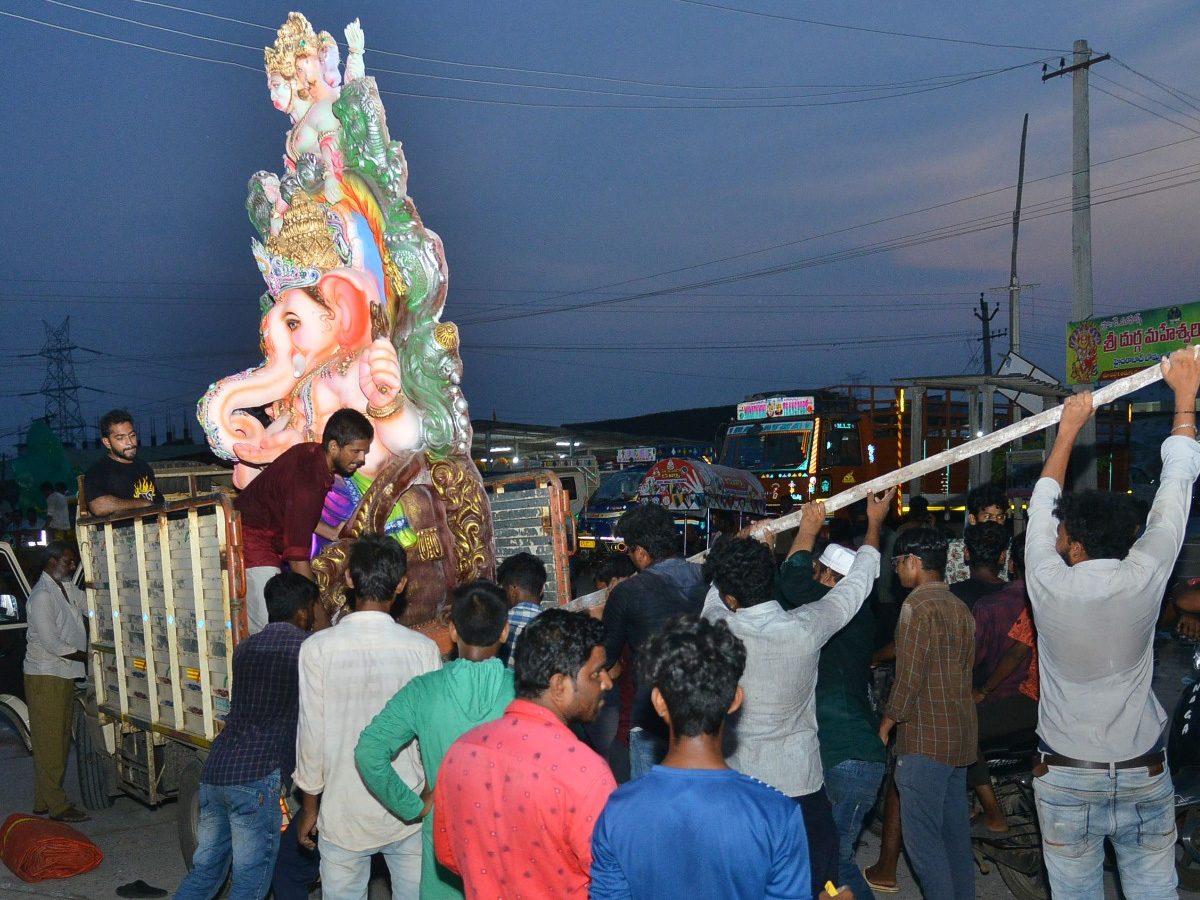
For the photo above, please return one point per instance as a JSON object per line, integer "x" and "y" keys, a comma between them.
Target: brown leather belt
{"x": 1152, "y": 761}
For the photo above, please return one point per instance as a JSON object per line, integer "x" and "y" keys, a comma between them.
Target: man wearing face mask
{"x": 55, "y": 657}
{"x": 281, "y": 507}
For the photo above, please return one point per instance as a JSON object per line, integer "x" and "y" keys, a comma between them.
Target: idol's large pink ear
{"x": 350, "y": 294}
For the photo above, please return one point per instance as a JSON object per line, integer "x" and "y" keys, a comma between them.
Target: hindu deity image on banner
{"x": 1105, "y": 349}
{"x": 351, "y": 317}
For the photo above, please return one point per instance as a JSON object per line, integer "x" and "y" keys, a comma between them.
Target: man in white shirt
{"x": 775, "y": 732}
{"x": 1095, "y": 593}
{"x": 54, "y": 657}
{"x": 58, "y": 512}
{"x": 348, "y": 673}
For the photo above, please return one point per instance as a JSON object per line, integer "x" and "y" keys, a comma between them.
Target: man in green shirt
{"x": 437, "y": 708}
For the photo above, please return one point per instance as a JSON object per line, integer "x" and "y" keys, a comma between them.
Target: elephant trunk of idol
{"x": 237, "y": 435}
{"x": 233, "y": 433}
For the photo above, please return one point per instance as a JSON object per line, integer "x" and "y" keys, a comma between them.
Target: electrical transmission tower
{"x": 61, "y": 387}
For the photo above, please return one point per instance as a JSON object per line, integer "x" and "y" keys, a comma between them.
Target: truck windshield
{"x": 842, "y": 447}
{"x": 620, "y": 486}
{"x": 776, "y": 445}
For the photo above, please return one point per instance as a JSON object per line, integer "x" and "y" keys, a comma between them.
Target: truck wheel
{"x": 1023, "y": 886}
{"x": 91, "y": 763}
{"x": 16, "y": 713}
{"x": 187, "y": 815}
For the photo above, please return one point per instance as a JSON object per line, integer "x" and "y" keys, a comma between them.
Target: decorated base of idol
{"x": 351, "y": 317}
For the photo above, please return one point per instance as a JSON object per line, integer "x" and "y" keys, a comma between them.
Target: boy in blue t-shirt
{"x": 693, "y": 827}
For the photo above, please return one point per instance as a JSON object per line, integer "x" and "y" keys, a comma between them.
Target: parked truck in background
{"x": 810, "y": 445}
{"x": 691, "y": 488}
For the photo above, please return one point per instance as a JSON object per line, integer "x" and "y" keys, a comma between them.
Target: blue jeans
{"x": 937, "y": 826}
{"x": 645, "y": 752}
{"x": 239, "y": 823}
{"x": 852, "y": 786}
{"x": 1079, "y": 808}
{"x": 345, "y": 874}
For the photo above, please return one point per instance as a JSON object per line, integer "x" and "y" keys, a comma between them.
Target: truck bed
{"x": 165, "y": 625}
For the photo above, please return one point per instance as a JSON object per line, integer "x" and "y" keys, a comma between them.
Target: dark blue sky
{"x": 801, "y": 190}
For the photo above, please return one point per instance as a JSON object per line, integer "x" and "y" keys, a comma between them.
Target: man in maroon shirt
{"x": 517, "y": 798}
{"x": 281, "y": 507}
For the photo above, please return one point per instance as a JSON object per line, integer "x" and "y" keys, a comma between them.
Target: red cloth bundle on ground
{"x": 36, "y": 848}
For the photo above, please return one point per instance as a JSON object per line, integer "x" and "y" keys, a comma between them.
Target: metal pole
{"x": 916, "y": 429}
{"x": 1014, "y": 283}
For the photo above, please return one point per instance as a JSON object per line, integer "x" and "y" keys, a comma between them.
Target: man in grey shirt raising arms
{"x": 1096, "y": 593}
{"x": 775, "y": 732}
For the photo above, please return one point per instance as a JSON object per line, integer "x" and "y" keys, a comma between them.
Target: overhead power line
{"x": 1190, "y": 99}
{"x": 112, "y": 40}
{"x": 556, "y": 73}
{"x": 883, "y": 92}
{"x": 1134, "y": 188}
{"x": 1146, "y": 109}
{"x": 1149, "y": 99}
{"x": 832, "y": 233}
{"x": 658, "y": 348}
{"x": 864, "y": 29}
{"x": 374, "y": 50}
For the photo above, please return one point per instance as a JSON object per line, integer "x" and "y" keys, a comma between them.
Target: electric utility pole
{"x": 1081, "y": 231}
{"x": 986, "y": 318}
{"x": 1014, "y": 283}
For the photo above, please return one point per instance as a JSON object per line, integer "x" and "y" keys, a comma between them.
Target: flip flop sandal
{"x": 139, "y": 888}
{"x": 882, "y": 888}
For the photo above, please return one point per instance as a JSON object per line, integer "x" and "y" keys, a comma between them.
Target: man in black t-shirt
{"x": 119, "y": 481}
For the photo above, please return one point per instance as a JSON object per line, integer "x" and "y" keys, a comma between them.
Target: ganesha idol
{"x": 355, "y": 289}
{"x": 327, "y": 345}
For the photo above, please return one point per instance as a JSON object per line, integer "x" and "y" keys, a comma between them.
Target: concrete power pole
{"x": 1081, "y": 233}
{"x": 986, "y": 318}
{"x": 1081, "y": 188}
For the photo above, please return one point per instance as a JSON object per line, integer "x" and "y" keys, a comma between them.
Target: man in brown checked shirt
{"x": 931, "y": 702}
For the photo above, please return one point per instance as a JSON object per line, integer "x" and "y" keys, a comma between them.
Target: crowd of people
{"x": 33, "y": 525}
{"x": 742, "y": 689}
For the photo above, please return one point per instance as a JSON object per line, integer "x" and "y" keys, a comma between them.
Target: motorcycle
{"x": 1016, "y": 853}
{"x": 1183, "y": 755}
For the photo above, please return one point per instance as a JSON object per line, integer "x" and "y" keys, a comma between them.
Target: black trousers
{"x": 823, "y": 838}
{"x": 295, "y": 868}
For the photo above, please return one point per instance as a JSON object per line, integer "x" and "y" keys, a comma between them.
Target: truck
{"x": 166, "y": 595}
{"x": 693, "y": 489}
{"x": 19, "y": 570}
{"x": 810, "y": 445}
{"x": 14, "y": 595}
{"x": 578, "y": 474}
{"x": 806, "y": 447}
